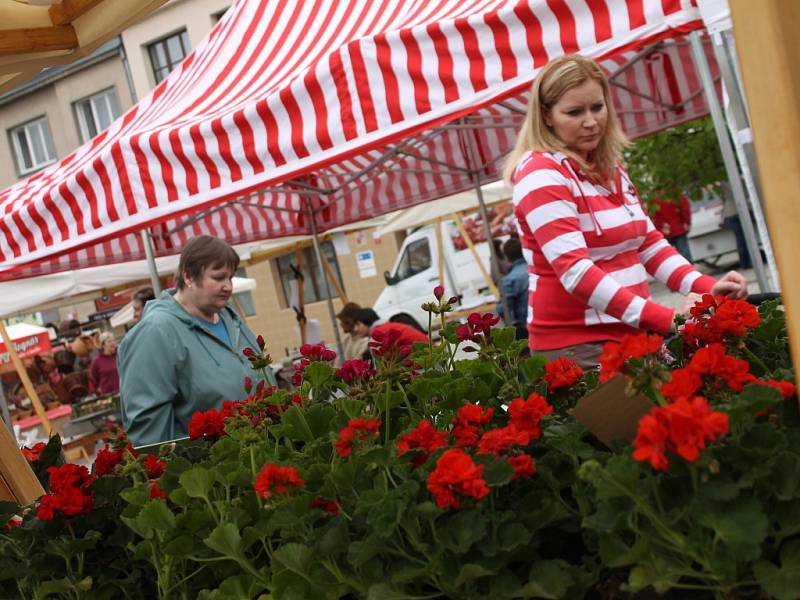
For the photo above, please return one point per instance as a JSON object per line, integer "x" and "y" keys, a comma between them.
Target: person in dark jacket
{"x": 185, "y": 355}
{"x": 514, "y": 287}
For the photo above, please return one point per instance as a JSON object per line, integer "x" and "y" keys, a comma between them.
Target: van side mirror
{"x": 390, "y": 279}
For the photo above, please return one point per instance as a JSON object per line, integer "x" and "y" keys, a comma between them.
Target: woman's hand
{"x": 731, "y": 284}
{"x": 688, "y": 304}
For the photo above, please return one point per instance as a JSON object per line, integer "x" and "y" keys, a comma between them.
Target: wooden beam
{"x": 769, "y": 54}
{"x": 37, "y": 39}
{"x": 68, "y": 10}
{"x": 334, "y": 281}
{"x": 22, "y": 372}
{"x": 18, "y": 483}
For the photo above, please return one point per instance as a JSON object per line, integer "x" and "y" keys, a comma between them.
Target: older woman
{"x": 103, "y": 369}
{"x": 588, "y": 242}
{"x": 185, "y": 355}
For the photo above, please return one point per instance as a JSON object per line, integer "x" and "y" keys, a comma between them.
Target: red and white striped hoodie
{"x": 589, "y": 250}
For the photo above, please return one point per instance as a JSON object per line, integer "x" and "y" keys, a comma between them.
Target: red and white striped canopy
{"x": 340, "y": 110}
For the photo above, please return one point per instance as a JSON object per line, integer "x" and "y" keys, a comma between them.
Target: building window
{"x": 167, "y": 53}
{"x": 313, "y": 286}
{"x": 243, "y": 301}
{"x": 95, "y": 113}
{"x": 33, "y": 145}
{"x": 218, "y": 15}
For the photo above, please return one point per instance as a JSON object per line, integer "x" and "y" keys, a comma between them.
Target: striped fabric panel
{"x": 296, "y": 90}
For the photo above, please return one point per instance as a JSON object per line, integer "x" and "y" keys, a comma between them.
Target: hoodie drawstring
{"x": 597, "y": 228}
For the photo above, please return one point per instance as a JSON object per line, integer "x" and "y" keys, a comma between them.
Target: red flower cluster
{"x": 616, "y": 354}
{"x": 786, "y": 388}
{"x": 329, "y": 507}
{"x": 33, "y": 454}
{"x": 718, "y": 318}
{"x": 711, "y": 361}
{"x": 498, "y": 441}
{"x": 355, "y": 370}
{"x": 466, "y": 425}
{"x": 526, "y": 415}
{"x": 311, "y": 353}
{"x": 424, "y": 437}
{"x": 155, "y": 468}
{"x": 683, "y": 427}
{"x": 156, "y": 493}
{"x": 357, "y": 430}
{"x": 208, "y": 425}
{"x": 273, "y": 479}
{"x": 456, "y": 473}
{"x": 107, "y": 459}
{"x": 477, "y": 325}
{"x": 561, "y": 372}
{"x": 69, "y": 493}
{"x": 387, "y": 344}
{"x": 524, "y": 466}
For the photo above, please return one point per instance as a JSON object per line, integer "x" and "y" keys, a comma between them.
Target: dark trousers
{"x": 681, "y": 244}
{"x": 735, "y": 226}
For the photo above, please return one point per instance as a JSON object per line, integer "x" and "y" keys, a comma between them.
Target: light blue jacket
{"x": 171, "y": 366}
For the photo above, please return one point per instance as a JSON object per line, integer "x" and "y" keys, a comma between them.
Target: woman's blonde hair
{"x": 554, "y": 80}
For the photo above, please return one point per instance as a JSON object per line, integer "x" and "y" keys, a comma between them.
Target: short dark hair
{"x": 349, "y": 311}
{"x": 512, "y": 249}
{"x": 203, "y": 252}
{"x": 144, "y": 295}
{"x": 367, "y": 316}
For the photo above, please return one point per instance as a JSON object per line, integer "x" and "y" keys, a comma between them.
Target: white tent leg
{"x": 151, "y": 262}
{"x": 739, "y": 125}
{"x": 729, "y": 159}
{"x": 320, "y": 258}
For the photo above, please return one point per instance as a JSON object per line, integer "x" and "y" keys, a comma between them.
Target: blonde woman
{"x": 103, "y": 370}
{"x": 588, "y": 242}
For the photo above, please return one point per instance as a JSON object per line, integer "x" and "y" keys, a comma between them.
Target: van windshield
{"x": 415, "y": 259}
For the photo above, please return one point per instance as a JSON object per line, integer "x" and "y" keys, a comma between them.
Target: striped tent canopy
{"x": 303, "y": 115}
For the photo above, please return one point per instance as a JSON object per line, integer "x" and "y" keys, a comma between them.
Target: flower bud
{"x": 261, "y": 343}
{"x": 249, "y": 352}
{"x": 453, "y": 300}
{"x": 248, "y": 384}
{"x": 438, "y": 292}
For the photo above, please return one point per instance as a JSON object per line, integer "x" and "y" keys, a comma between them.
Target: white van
{"x": 411, "y": 281}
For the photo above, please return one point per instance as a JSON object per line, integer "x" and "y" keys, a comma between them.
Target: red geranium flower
{"x": 33, "y": 454}
{"x": 526, "y": 415}
{"x": 329, "y": 507}
{"x": 273, "y": 479}
{"x": 423, "y": 437}
{"x": 70, "y": 502}
{"x": 523, "y": 464}
{"x": 561, "y": 372}
{"x": 317, "y": 352}
{"x": 209, "y": 425}
{"x": 651, "y": 442}
{"x": 483, "y": 323}
{"x": 713, "y": 360}
{"x": 106, "y": 460}
{"x": 466, "y": 424}
{"x": 615, "y": 354}
{"x": 156, "y": 492}
{"x": 684, "y": 384}
{"x": 69, "y": 476}
{"x": 456, "y": 473}
{"x": 498, "y": 441}
{"x": 735, "y": 317}
{"x": 355, "y": 370}
{"x": 357, "y": 430}
{"x": 155, "y": 468}
{"x": 786, "y": 388}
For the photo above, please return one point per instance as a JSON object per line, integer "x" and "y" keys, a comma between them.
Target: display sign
{"x": 31, "y": 345}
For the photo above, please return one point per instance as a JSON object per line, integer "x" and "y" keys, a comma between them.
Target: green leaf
{"x": 548, "y": 579}
{"x": 335, "y": 539}
{"x": 181, "y": 546}
{"x": 786, "y": 476}
{"x": 319, "y": 418}
{"x": 741, "y": 524}
{"x": 318, "y": 374}
{"x": 157, "y": 515}
{"x": 197, "y": 481}
{"x": 532, "y": 368}
{"x": 62, "y": 586}
{"x": 294, "y": 424}
{"x": 470, "y": 571}
{"x": 239, "y": 586}
{"x": 752, "y": 400}
{"x": 781, "y": 582}
{"x": 351, "y": 407}
{"x": 512, "y": 535}
{"x": 642, "y": 576}
{"x": 498, "y": 473}
{"x": 295, "y": 557}
{"x": 386, "y": 591}
{"x": 461, "y": 531}
{"x": 388, "y": 401}
{"x": 226, "y": 540}
{"x": 503, "y": 338}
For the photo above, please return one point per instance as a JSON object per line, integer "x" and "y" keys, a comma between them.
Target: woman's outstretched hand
{"x": 731, "y": 284}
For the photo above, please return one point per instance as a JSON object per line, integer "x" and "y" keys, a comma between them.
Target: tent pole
{"x": 472, "y": 161}
{"x": 26, "y": 380}
{"x": 318, "y": 251}
{"x": 6, "y": 413}
{"x": 151, "y": 262}
{"x": 729, "y": 159}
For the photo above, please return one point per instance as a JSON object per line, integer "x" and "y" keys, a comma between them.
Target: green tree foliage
{"x": 677, "y": 161}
